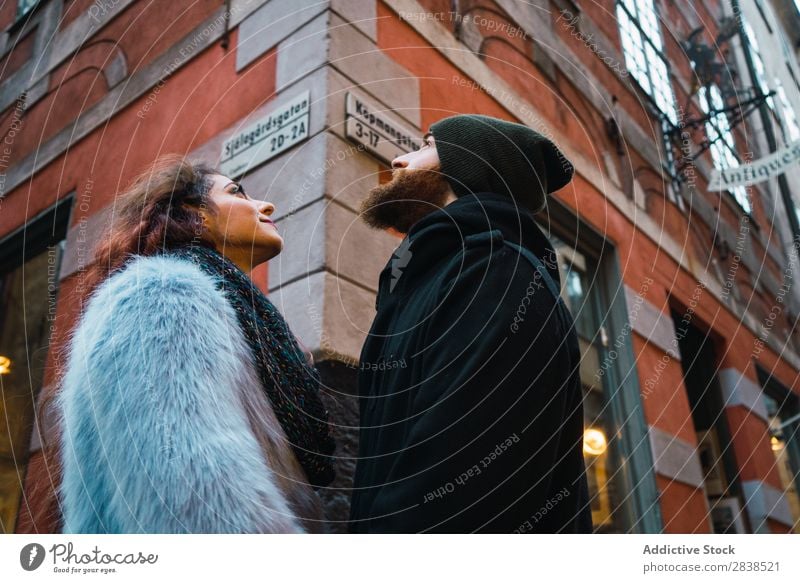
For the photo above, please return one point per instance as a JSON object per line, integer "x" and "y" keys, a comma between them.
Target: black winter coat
{"x": 470, "y": 399}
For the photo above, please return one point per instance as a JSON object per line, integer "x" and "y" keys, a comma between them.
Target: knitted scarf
{"x": 291, "y": 384}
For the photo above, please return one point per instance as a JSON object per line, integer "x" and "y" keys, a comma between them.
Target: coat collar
{"x": 441, "y": 234}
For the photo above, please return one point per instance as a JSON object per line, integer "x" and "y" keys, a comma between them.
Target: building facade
{"x": 682, "y": 296}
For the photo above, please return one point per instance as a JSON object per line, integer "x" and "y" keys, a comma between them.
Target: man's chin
{"x": 404, "y": 200}
{"x": 397, "y": 215}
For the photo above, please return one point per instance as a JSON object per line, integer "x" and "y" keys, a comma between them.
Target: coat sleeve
{"x": 155, "y": 436}
{"x": 482, "y": 438}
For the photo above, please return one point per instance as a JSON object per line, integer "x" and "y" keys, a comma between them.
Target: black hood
{"x": 440, "y": 235}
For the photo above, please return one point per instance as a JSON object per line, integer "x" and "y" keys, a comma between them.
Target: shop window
{"x": 602, "y": 458}
{"x": 29, "y": 264}
{"x": 783, "y": 411}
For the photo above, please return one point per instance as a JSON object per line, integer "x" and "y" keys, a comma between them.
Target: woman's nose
{"x": 267, "y": 208}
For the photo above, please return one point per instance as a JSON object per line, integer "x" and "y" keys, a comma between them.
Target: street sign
{"x": 380, "y": 131}
{"x": 284, "y": 127}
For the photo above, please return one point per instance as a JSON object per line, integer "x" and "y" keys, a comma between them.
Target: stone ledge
{"x": 675, "y": 458}
{"x": 737, "y": 389}
{"x": 647, "y": 320}
{"x": 762, "y": 501}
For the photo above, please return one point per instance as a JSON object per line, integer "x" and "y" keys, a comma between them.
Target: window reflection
{"x": 600, "y": 453}
{"x": 782, "y": 430}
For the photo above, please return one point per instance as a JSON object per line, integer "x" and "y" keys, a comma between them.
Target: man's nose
{"x": 399, "y": 163}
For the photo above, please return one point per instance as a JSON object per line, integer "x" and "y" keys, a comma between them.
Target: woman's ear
{"x": 209, "y": 225}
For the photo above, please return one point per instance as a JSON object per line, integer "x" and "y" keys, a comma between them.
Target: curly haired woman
{"x": 187, "y": 405}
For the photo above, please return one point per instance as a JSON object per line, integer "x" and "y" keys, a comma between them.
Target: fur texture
{"x": 164, "y": 425}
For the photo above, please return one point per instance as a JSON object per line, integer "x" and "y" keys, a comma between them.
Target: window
{"x": 607, "y": 491}
{"x": 783, "y": 418}
{"x": 723, "y": 145}
{"x": 29, "y": 263}
{"x": 791, "y": 128}
{"x": 644, "y": 52}
{"x": 623, "y": 489}
{"x": 643, "y": 47}
{"x": 758, "y": 63}
{"x": 25, "y": 6}
{"x": 783, "y": 430}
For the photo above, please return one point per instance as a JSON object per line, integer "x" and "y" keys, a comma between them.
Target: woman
{"x": 187, "y": 405}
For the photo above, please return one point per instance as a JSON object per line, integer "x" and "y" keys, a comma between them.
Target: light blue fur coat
{"x": 164, "y": 426}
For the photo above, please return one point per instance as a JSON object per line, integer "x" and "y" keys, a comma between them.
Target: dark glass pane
{"x": 26, "y": 318}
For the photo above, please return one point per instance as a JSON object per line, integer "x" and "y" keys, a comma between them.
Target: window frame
{"x": 665, "y": 104}
{"x": 722, "y": 142}
{"x": 640, "y": 509}
{"x": 789, "y": 406}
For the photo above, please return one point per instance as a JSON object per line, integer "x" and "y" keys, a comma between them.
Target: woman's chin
{"x": 274, "y": 248}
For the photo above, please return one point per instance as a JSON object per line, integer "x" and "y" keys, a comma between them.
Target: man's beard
{"x": 408, "y": 197}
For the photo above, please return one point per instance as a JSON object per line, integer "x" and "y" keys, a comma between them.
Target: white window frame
{"x": 643, "y": 48}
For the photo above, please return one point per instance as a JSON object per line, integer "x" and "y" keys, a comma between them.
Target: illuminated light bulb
{"x": 5, "y": 365}
{"x": 594, "y": 442}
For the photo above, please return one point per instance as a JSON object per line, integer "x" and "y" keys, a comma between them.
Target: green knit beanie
{"x": 479, "y": 153}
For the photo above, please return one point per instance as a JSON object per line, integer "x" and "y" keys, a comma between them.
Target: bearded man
{"x": 481, "y": 429}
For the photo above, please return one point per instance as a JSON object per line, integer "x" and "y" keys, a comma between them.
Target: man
{"x": 470, "y": 400}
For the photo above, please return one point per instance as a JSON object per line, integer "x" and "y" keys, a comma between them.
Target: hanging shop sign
{"x": 284, "y": 127}
{"x": 757, "y": 171}
{"x": 378, "y": 130}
